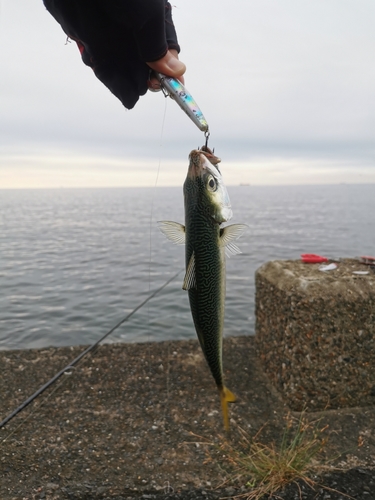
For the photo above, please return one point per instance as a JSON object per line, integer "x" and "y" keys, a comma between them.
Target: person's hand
{"x": 169, "y": 65}
{"x": 123, "y": 41}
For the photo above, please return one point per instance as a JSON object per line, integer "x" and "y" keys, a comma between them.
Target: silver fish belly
{"x": 207, "y": 206}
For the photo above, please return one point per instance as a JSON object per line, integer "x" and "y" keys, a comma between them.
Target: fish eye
{"x": 211, "y": 184}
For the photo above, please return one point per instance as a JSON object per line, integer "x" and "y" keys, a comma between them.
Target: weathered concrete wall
{"x": 315, "y": 333}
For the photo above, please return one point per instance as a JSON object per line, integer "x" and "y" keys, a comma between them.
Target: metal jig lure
{"x": 173, "y": 88}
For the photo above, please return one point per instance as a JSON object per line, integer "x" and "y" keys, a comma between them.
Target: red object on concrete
{"x": 312, "y": 258}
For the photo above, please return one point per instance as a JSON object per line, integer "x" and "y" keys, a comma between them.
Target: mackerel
{"x": 207, "y": 206}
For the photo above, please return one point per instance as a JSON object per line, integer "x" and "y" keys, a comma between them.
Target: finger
{"x": 169, "y": 65}
{"x": 175, "y": 54}
{"x": 153, "y": 83}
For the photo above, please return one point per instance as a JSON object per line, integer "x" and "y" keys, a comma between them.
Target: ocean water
{"x": 74, "y": 262}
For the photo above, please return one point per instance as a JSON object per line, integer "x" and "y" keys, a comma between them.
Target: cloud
{"x": 279, "y": 82}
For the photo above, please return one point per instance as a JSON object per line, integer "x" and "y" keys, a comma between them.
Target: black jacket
{"x": 116, "y": 37}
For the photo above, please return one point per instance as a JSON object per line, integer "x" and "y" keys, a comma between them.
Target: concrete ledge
{"x": 131, "y": 421}
{"x": 315, "y": 333}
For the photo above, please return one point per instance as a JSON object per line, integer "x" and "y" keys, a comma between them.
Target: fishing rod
{"x": 86, "y": 351}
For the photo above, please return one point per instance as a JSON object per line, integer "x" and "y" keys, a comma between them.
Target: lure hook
{"x": 207, "y": 136}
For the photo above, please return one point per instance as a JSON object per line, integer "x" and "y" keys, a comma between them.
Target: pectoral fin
{"x": 190, "y": 276}
{"x": 230, "y": 233}
{"x": 174, "y": 231}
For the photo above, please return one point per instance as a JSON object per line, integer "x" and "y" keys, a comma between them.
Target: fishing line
{"x": 153, "y": 197}
{"x": 150, "y": 231}
{"x": 86, "y": 351}
{"x": 168, "y": 348}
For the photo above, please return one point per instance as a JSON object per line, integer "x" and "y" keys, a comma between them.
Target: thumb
{"x": 169, "y": 65}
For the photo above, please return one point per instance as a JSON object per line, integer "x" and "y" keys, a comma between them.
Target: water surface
{"x": 74, "y": 262}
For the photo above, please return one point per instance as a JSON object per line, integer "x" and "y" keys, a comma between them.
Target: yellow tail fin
{"x": 226, "y": 397}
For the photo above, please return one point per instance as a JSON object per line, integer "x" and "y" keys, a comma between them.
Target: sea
{"x": 76, "y": 262}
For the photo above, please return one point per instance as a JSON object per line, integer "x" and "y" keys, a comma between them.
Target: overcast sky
{"x": 287, "y": 87}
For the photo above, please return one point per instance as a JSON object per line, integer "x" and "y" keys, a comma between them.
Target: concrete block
{"x": 315, "y": 333}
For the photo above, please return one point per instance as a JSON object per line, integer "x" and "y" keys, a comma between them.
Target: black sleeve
{"x": 170, "y": 30}
{"x": 117, "y": 37}
{"x": 150, "y": 22}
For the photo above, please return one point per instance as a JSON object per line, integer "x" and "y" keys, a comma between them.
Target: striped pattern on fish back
{"x": 207, "y": 299}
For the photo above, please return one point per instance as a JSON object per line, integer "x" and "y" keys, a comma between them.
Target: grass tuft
{"x": 262, "y": 469}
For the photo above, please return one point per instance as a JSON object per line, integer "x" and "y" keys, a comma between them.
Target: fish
{"x": 207, "y": 207}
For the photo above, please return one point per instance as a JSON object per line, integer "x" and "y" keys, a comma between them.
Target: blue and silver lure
{"x": 174, "y": 89}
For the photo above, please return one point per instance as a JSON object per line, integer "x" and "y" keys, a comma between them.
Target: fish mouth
{"x": 201, "y": 163}
{"x": 202, "y": 160}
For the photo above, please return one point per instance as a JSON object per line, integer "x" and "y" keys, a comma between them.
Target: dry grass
{"x": 264, "y": 469}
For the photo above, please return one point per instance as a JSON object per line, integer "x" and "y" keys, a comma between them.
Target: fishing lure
{"x": 174, "y": 89}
